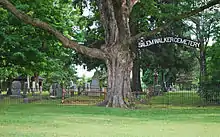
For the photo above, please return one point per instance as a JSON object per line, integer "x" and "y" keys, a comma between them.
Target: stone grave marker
{"x": 56, "y": 90}
{"x": 25, "y": 88}
{"x": 94, "y": 87}
{"x": 16, "y": 88}
{"x": 157, "y": 90}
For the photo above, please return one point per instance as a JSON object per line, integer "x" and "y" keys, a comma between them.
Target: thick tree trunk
{"x": 119, "y": 89}
{"x": 136, "y": 80}
{"x": 114, "y": 16}
{"x": 119, "y": 67}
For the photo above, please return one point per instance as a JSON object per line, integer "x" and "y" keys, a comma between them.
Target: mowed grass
{"x": 52, "y": 120}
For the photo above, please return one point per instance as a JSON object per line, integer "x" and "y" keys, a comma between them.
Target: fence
{"x": 93, "y": 96}
{"x": 36, "y": 95}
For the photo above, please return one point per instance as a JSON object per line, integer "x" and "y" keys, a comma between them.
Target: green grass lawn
{"x": 51, "y": 120}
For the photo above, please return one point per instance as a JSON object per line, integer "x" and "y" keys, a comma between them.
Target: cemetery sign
{"x": 145, "y": 43}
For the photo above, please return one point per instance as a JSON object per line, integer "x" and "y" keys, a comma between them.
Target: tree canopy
{"x": 27, "y": 49}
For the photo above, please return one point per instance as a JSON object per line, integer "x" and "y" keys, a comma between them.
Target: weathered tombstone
{"x": 25, "y": 88}
{"x": 37, "y": 87}
{"x": 94, "y": 88}
{"x": 157, "y": 90}
{"x": 16, "y": 89}
{"x": 33, "y": 88}
{"x": 56, "y": 90}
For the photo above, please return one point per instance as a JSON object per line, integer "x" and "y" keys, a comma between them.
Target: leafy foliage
{"x": 211, "y": 88}
{"x": 26, "y": 49}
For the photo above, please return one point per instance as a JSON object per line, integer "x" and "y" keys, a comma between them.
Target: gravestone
{"x": 157, "y": 90}
{"x": 56, "y": 90}
{"x": 94, "y": 88}
{"x": 33, "y": 87}
{"x": 16, "y": 88}
{"x": 25, "y": 88}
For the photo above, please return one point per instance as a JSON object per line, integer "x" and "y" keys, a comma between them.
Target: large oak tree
{"x": 116, "y": 52}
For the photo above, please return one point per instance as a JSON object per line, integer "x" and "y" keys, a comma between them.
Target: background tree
{"x": 203, "y": 26}
{"x": 210, "y": 90}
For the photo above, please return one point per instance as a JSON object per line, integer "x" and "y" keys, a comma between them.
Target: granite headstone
{"x": 56, "y": 90}
{"x": 94, "y": 88}
{"x": 16, "y": 88}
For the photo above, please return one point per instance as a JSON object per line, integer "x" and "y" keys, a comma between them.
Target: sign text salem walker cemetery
{"x": 145, "y": 43}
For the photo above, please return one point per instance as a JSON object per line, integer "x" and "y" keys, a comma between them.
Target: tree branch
{"x": 196, "y": 11}
{"x": 177, "y": 18}
{"x": 146, "y": 34}
{"x": 108, "y": 21}
{"x": 92, "y": 52}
